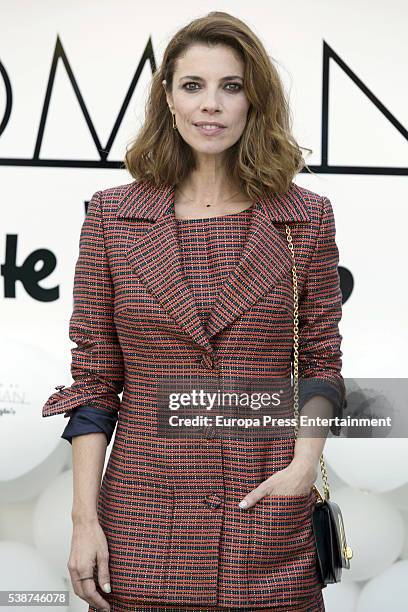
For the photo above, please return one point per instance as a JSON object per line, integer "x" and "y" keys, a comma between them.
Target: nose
{"x": 210, "y": 101}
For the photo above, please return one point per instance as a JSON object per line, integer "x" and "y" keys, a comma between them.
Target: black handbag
{"x": 332, "y": 552}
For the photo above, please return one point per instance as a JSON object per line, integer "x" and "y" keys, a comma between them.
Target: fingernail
{"x": 243, "y": 503}
{"x": 107, "y": 587}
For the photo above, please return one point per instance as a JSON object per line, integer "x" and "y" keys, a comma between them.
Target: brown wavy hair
{"x": 266, "y": 156}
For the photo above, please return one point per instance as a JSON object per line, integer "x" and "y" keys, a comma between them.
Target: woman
{"x": 185, "y": 275}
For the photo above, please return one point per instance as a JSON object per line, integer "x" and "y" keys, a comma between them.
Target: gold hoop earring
{"x": 174, "y": 121}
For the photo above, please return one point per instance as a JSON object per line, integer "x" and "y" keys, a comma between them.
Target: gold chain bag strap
{"x": 333, "y": 553}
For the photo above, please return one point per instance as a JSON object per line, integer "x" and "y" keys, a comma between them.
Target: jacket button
{"x": 206, "y": 361}
{"x": 213, "y": 500}
{"x": 59, "y": 387}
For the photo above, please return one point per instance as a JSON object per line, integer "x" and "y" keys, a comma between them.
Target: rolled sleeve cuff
{"x": 311, "y": 387}
{"x": 86, "y": 419}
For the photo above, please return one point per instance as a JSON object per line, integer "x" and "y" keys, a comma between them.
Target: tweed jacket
{"x": 169, "y": 506}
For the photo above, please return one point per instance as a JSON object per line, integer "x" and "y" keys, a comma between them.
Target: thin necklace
{"x": 207, "y": 205}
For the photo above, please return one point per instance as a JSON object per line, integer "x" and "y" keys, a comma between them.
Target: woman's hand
{"x": 88, "y": 549}
{"x": 295, "y": 479}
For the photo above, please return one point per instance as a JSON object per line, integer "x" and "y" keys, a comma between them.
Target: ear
{"x": 169, "y": 97}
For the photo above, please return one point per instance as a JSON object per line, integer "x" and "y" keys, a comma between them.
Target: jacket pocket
{"x": 281, "y": 529}
{"x": 282, "y": 555}
{"x": 136, "y": 518}
{"x": 282, "y": 560}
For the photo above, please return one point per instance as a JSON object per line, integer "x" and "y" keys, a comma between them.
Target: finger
{"x": 103, "y": 572}
{"x": 76, "y": 584}
{"x": 254, "y": 496}
{"x": 86, "y": 589}
{"x": 92, "y": 596}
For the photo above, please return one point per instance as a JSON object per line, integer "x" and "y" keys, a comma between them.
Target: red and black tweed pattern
{"x": 168, "y": 506}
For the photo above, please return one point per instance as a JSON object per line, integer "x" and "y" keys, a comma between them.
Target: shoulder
{"x": 116, "y": 192}
{"x": 315, "y": 203}
{"x": 111, "y": 197}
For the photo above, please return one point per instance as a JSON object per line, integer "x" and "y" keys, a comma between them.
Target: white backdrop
{"x": 66, "y": 68}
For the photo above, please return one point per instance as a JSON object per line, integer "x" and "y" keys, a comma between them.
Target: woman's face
{"x": 208, "y": 88}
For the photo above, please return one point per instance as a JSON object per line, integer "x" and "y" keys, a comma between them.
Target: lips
{"x": 209, "y": 124}
{"x": 209, "y": 129}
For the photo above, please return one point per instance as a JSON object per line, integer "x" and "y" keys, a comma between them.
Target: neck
{"x": 209, "y": 186}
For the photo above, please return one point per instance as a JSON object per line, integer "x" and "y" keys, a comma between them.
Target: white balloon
{"x": 404, "y": 551}
{"x": 31, "y": 483}
{"x": 16, "y": 522}
{"x": 374, "y": 530}
{"x": 341, "y": 597}
{"x": 372, "y": 464}
{"x": 69, "y": 464}
{"x": 24, "y": 569}
{"x": 28, "y": 376}
{"x": 387, "y": 591}
{"x": 398, "y": 497}
{"x": 52, "y": 524}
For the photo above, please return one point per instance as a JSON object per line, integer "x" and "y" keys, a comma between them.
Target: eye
{"x": 190, "y": 83}
{"x": 236, "y": 86}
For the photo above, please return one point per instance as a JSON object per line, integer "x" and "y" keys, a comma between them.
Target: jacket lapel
{"x": 155, "y": 257}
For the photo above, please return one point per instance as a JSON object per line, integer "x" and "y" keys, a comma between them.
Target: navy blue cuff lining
{"x": 308, "y": 388}
{"x": 87, "y": 419}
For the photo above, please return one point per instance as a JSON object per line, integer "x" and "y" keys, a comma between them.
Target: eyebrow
{"x": 198, "y": 78}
